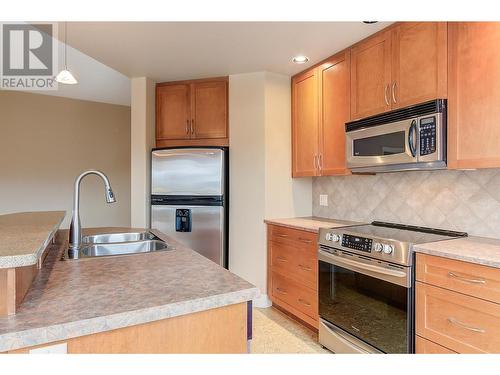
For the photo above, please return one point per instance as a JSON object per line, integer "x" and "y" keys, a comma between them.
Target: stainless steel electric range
{"x": 366, "y": 281}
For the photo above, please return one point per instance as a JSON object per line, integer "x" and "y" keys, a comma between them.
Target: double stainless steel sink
{"x": 110, "y": 244}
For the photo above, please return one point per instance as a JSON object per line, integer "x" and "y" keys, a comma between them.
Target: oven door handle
{"x": 393, "y": 276}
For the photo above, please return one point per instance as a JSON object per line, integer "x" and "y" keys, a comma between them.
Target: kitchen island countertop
{"x": 74, "y": 298}
{"x": 25, "y": 235}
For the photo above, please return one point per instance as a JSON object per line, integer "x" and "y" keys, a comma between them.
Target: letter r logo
{"x": 27, "y": 50}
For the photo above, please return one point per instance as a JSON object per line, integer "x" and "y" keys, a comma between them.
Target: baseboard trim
{"x": 262, "y": 301}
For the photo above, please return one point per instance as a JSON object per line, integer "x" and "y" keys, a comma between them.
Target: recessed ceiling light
{"x": 300, "y": 59}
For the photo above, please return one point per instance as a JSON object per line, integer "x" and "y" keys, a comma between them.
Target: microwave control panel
{"x": 357, "y": 243}
{"x": 427, "y": 135}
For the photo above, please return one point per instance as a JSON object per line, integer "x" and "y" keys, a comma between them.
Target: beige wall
{"x": 47, "y": 141}
{"x": 143, "y": 140}
{"x": 260, "y": 170}
{"x": 285, "y": 196}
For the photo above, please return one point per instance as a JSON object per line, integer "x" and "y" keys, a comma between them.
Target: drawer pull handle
{"x": 304, "y": 302}
{"x": 305, "y": 268}
{"x": 281, "y": 259}
{"x": 304, "y": 240}
{"x": 282, "y": 291}
{"x": 463, "y": 325}
{"x": 282, "y": 235}
{"x": 472, "y": 281}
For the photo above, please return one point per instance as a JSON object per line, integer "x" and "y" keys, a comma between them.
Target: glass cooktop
{"x": 404, "y": 233}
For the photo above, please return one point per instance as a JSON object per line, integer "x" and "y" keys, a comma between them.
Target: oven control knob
{"x": 388, "y": 249}
{"x": 377, "y": 247}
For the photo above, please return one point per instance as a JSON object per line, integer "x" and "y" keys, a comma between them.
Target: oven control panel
{"x": 357, "y": 243}
{"x": 427, "y": 135}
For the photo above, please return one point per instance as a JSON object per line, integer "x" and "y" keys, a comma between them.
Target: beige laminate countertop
{"x": 80, "y": 297}
{"x": 310, "y": 223}
{"x": 24, "y": 236}
{"x": 479, "y": 250}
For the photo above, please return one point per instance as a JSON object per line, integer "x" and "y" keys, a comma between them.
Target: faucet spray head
{"x": 110, "y": 196}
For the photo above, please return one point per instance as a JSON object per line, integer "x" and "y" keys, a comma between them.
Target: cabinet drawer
{"x": 295, "y": 237}
{"x": 424, "y": 346}
{"x": 459, "y": 322}
{"x": 297, "y": 263}
{"x": 467, "y": 278}
{"x": 299, "y": 297}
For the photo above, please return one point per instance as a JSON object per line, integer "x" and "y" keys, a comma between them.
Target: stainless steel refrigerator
{"x": 189, "y": 195}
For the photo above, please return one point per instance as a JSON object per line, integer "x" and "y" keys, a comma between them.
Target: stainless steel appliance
{"x": 366, "y": 281}
{"x": 189, "y": 192}
{"x": 404, "y": 139}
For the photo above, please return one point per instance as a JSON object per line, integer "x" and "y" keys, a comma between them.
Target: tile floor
{"x": 274, "y": 332}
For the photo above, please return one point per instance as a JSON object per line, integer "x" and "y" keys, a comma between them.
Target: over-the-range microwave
{"x": 411, "y": 138}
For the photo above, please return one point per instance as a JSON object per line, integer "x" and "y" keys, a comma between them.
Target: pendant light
{"x": 65, "y": 75}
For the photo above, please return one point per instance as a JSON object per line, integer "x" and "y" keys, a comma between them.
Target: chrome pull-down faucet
{"x": 75, "y": 229}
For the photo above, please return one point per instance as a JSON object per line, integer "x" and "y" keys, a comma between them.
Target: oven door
{"x": 366, "y": 302}
{"x": 394, "y": 143}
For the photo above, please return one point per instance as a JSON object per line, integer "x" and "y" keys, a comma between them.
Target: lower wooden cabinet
{"x": 222, "y": 330}
{"x": 456, "y": 306}
{"x": 293, "y": 272}
{"x": 424, "y": 346}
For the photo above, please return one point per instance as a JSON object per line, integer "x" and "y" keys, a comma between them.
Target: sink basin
{"x": 117, "y": 237}
{"x": 122, "y": 248}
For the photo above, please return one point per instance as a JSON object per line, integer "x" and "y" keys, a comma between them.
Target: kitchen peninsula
{"x": 173, "y": 301}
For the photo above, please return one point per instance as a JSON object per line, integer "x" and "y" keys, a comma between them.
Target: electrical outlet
{"x": 323, "y": 200}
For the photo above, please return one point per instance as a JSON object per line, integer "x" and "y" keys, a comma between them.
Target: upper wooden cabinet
{"x": 305, "y": 124}
{"x": 398, "y": 67}
{"x": 192, "y": 112}
{"x": 418, "y": 63}
{"x": 173, "y": 112}
{"x": 320, "y": 109}
{"x": 371, "y": 76}
{"x": 474, "y": 95}
{"x": 334, "y": 113}
{"x": 209, "y": 103}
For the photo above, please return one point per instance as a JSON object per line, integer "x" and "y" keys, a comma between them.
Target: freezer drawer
{"x": 185, "y": 171}
{"x": 199, "y": 227}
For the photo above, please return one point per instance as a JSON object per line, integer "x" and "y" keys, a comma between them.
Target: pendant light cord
{"x": 65, "y": 45}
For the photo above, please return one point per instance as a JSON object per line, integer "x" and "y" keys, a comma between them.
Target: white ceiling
{"x": 96, "y": 81}
{"x": 166, "y": 51}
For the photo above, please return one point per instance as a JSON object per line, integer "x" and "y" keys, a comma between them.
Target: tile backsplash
{"x": 457, "y": 200}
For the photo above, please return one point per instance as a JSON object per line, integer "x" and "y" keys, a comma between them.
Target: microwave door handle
{"x": 412, "y": 139}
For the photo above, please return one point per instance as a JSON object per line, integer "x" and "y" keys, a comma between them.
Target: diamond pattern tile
{"x": 459, "y": 200}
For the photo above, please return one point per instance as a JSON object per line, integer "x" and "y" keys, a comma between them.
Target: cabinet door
{"x": 172, "y": 112}
{"x": 418, "y": 62}
{"x": 371, "y": 76}
{"x": 209, "y": 109}
{"x": 335, "y": 112}
{"x": 474, "y": 95}
{"x": 305, "y": 124}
